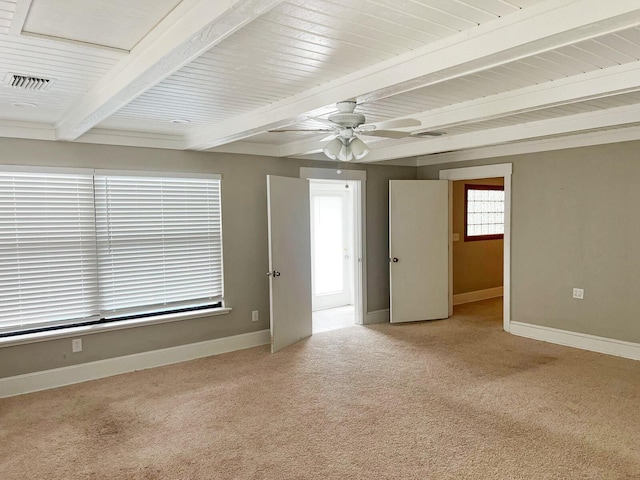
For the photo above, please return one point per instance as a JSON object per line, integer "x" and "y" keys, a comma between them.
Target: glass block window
{"x": 484, "y": 212}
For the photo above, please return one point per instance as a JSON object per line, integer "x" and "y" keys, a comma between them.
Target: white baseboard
{"x": 58, "y": 377}
{"x": 379, "y": 316}
{"x": 478, "y": 295}
{"x": 584, "y": 341}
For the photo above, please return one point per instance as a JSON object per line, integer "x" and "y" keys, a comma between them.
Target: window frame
{"x": 475, "y": 238}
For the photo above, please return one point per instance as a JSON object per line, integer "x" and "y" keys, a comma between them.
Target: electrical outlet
{"x": 254, "y": 316}
{"x": 456, "y": 237}
{"x": 76, "y": 345}
{"x": 578, "y": 293}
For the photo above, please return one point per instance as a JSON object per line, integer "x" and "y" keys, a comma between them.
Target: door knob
{"x": 275, "y": 273}
{"x": 395, "y": 260}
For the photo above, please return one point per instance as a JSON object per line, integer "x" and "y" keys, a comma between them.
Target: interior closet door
{"x": 419, "y": 249}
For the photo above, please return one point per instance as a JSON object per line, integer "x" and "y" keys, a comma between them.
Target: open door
{"x": 289, "y": 260}
{"x": 419, "y": 249}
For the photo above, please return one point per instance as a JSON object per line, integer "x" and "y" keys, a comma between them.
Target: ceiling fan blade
{"x": 386, "y": 134}
{"x": 281, "y": 130}
{"x": 400, "y": 123}
{"x": 324, "y": 121}
{"x": 327, "y": 138}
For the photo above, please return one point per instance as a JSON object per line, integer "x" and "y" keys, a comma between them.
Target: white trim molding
{"x": 477, "y": 295}
{"x": 584, "y": 341}
{"x": 488, "y": 171}
{"x": 332, "y": 174}
{"x": 472, "y": 173}
{"x": 379, "y": 316}
{"x": 58, "y": 377}
{"x": 19, "y": 17}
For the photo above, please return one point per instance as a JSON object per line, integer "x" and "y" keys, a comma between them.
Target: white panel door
{"x": 419, "y": 249}
{"x": 289, "y": 260}
{"x": 331, "y": 246}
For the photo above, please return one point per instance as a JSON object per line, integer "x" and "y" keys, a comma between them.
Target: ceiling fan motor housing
{"x": 347, "y": 120}
{"x": 345, "y": 116}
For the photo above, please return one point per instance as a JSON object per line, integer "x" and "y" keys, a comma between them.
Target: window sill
{"x": 479, "y": 238}
{"x": 108, "y": 327}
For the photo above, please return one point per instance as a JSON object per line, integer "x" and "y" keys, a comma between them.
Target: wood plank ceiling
{"x": 218, "y": 76}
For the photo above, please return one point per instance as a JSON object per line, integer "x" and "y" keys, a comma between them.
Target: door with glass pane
{"x": 331, "y": 245}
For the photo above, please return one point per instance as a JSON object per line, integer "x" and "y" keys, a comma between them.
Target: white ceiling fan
{"x": 345, "y": 126}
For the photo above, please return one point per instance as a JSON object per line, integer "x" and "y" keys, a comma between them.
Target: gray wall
{"x": 244, "y": 236}
{"x": 575, "y": 224}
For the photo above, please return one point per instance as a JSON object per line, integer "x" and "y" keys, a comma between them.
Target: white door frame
{"x": 489, "y": 171}
{"x": 360, "y": 251}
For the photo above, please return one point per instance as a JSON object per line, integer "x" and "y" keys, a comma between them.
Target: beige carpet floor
{"x": 452, "y": 399}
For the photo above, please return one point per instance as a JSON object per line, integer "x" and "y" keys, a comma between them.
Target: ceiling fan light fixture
{"x": 345, "y": 149}
{"x": 345, "y": 155}
{"x": 333, "y": 148}
{"x": 358, "y": 148}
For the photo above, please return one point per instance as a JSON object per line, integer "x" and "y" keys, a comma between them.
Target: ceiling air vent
{"x": 28, "y": 82}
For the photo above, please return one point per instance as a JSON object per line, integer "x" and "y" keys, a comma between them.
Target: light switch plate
{"x": 456, "y": 237}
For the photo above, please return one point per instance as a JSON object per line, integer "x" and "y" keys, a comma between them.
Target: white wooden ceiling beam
{"x": 612, "y": 117}
{"x": 540, "y": 28}
{"x": 588, "y": 86}
{"x": 28, "y": 130}
{"x": 600, "y": 137}
{"x": 132, "y": 139}
{"x": 19, "y": 16}
{"x": 306, "y": 146}
{"x": 249, "y": 148}
{"x": 191, "y": 29}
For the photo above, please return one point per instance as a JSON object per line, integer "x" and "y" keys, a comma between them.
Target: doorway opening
{"x": 502, "y": 171}
{"x": 478, "y": 215}
{"x": 334, "y": 253}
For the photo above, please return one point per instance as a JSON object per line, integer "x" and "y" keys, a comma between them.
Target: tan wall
{"x": 244, "y": 236}
{"x": 575, "y": 224}
{"x": 477, "y": 265}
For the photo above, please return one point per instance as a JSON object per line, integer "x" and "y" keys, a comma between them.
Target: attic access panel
{"x": 118, "y": 24}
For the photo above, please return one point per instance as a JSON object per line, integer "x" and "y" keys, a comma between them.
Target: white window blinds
{"x": 80, "y": 246}
{"x": 47, "y": 249}
{"x": 159, "y": 243}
